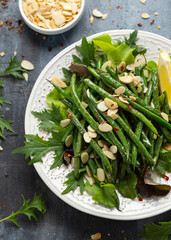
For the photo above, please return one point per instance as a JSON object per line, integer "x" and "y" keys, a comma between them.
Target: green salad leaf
{"x": 164, "y": 162}
{"x": 106, "y": 47}
{"x": 38, "y": 148}
{"x": 50, "y": 119}
{"x": 157, "y": 232}
{"x": 104, "y": 194}
{"x": 122, "y": 53}
{"x": 106, "y": 38}
{"x": 87, "y": 51}
{"x": 73, "y": 183}
{"x": 67, "y": 74}
{"x": 127, "y": 185}
{"x": 28, "y": 208}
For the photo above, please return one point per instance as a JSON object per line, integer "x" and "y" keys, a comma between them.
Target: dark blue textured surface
{"x": 61, "y": 222}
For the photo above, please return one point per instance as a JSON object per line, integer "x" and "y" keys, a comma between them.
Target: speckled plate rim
{"x": 138, "y": 215}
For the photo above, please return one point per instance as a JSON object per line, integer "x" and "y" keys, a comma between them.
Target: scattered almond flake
{"x": 140, "y": 60}
{"x": 105, "y": 127}
{"x": 156, "y": 13}
{"x": 88, "y": 92}
{"x": 57, "y": 81}
{"x": 92, "y": 155}
{"x": 90, "y": 129}
{"x": 121, "y": 67}
{"x": 2, "y": 54}
{"x": 143, "y": 1}
{"x": 159, "y": 27}
{"x": 15, "y": 53}
{"x": 154, "y": 136}
{"x": 68, "y": 141}
{"x": 145, "y": 90}
{"x": 106, "y": 64}
{"x": 100, "y": 175}
{"x": 120, "y": 90}
{"x": 109, "y": 155}
{"x": 92, "y": 134}
{"x": 91, "y": 19}
{"x": 90, "y": 179}
{"x": 165, "y": 116}
{"x": 96, "y": 236}
{"x": 146, "y": 73}
{"x": 25, "y": 75}
{"x": 102, "y": 106}
{"x": 85, "y": 105}
{"x": 113, "y": 149}
{"x": 110, "y": 104}
{"x": 105, "y": 16}
{"x": 126, "y": 79}
{"x": 27, "y": 65}
{"x": 1, "y": 149}
{"x": 152, "y": 104}
{"x": 97, "y": 13}
{"x": 51, "y": 14}
{"x": 112, "y": 114}
{"x": 101, "y": 143}
{"x": 139, "y": 89}
{"x": 109, "y": 8}
{"x": 145, "y": 15}
{"x": 84, "y": 157}
{"x": 86, "y": 137}
{"x": 105, "y": 148}
{"x": 89, "y": 173}
{"x": 131, "y": 67}
{"x": 132, "y": 98}
{"x": 123, "y": 100}
{"x": 65, "y": 122}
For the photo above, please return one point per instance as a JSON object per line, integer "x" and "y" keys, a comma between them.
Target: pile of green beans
{"x": 138, "y": 131}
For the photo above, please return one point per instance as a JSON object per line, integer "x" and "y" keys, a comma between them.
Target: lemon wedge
{"x": 164, "y": 72}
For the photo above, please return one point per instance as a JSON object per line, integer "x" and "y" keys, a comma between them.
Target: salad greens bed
{"x": 109, "y": 121}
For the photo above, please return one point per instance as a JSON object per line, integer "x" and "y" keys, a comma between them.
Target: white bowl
{"x": 52, "y": 31}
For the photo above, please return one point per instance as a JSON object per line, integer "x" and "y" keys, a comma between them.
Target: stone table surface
{"x": 61, "y": 222}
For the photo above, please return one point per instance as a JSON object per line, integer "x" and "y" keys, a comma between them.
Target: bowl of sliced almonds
{"x": 51, "y": 17}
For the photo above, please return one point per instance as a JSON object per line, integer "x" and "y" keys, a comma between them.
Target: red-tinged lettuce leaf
{"x": 148, "y": 187}
{"x": 80, "y": 69}
{"x": 127, "y": 185}
{"x": 122, "y": 53}
{"x": 86, "y": 49}
{"x": 104, "y": 194}
{"x": 157, "y": 232}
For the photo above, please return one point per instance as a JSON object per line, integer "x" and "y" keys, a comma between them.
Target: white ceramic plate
{"x": 54, "y": 179}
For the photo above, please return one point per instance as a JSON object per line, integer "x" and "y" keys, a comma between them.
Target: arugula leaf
{"x": 67, "y": 74}
{"x": 104, "y": 194}
{"x": 131, "y": 41}
{"x": 54, "y": 98}
{"x": 87, "y": 51}
{"x": 3, "y": 100}
{"x": 73, "y": 183}
{"x": 14, "y": 69}
{"x": 38, "y": 148}
{"x": 122, "y": 53}
{"x": 28, "y": 208}
{"x": 5, "y": 124}
{"x": 127, "y": 185}
{"x": 76, "y": 59}
{"x": 157, "y": 232}
{"x": 50, "y": 119}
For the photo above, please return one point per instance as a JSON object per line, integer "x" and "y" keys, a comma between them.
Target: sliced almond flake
{"x": 90, "y": 129}
{"x": 89, "y": 173}
{"x": 97, "y": 13}
{"x": 102, "y": 107}
{"x": 84, "y": 157}
{"x": 112, "y": 113}
{"x": 120, "y": 90}
{"x": 2, "y": 54}
{"x": 113, "y": 149}
{"x": 25, "y": 75}
{"x": 90, "y": 179}
{"x": 145, "y": 15}
{"x": 143, "y": 1}
{"x": 101, "y": 143}
{"x": 27, "y": 65}
{"x": 165, "y": 116}
{"x": 110, "y": 104}
{"x": 86, "y": 137}
{"x": 66, "y": 13}
{"x": 66, "y": 6}
{"x": 91, "y": 19}
{"x": 88, "y": 92}
{"x": 92, "y": 134}
{"x": 100, "y": 176}
{"x": 104, "y": 16}
{"x": 109, "y": 155}
{"x": 126, "y": 79}
{"x": 57, "y": 81}
{"x": 106, "y": 64}
{"x": 139, "y": 88}
{"x": 105, "y": 148}
{"x": 123, "y": 100}
{"x": 15, "y": 53}
{"x": 68, "y": 141}
{"x": 85, "y": 105}
{"x": 105, "y": 127}
{"x": 121, "y": 67}
{"x": 132, "y": 98}
{"x": 145, "y": 90}
{"x": 146, "y": 73}
{"x": 65, "y": 122}
{"x": 58, "y": 18}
